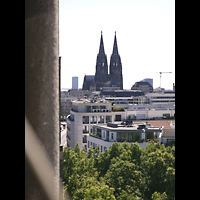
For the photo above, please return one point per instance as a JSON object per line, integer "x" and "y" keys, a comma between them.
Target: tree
{"x": 69, "y": 162}
{"x": 79, "y": 185}
{"x": 158, "y": 196}
{"x": 100, "y": 193}
{"x": 136, "y": 152}
{"x": 125, "y": 196}
{"x": 155, "y": 162}
{"x": 122, "y": 172}
{"x": 123, "y": 176}
{"x": 103, "y": 163}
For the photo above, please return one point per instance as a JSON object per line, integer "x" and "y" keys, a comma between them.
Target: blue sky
{"x": 145, "y": 36}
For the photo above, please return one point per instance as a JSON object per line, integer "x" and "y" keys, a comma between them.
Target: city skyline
{"x": 145, "y": 36}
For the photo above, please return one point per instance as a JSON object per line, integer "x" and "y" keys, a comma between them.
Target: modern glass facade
{"x": 128, "y": 137}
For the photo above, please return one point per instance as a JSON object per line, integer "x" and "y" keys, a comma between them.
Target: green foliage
{"x": 158, "y": 196}
{"x": 115, "y": 108}
{"x": 121, "y": 172}
{"x": 100, "y": 193}
{"x": 125, "y": 196}
{"x": 122, "y": 175}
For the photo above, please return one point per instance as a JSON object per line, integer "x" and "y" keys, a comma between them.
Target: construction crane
{"x": 160, "y": 76}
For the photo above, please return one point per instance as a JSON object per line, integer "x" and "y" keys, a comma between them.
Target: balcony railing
{"x": 98, "y": 137}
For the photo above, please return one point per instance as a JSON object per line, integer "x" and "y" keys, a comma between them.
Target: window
{"x": 166, "y": 115}
{"x": 170, "y": 142}
{"x": 99, "y": 132}
{"x": 102, "y": 107}
{"x": 94, "y": 107}
{"x": 94, "y": 130}
{"x": 120, "y": 137}
{"x": 93, "y": 119}
{"x": 151, "y": 135}
{"x": 100, "y": 119}
{"x": 108, "y": 118}
{"x": 85, "y": 119}
{"x": 84, "y": 139}
{"x": 128, "y": 136}
{"x": 107, "y": 135}
{"x": 85, "y": 129}
{"x": 88, "y": 108}
{"x": 117, "y": 117}
{"x": 111, "y": 136}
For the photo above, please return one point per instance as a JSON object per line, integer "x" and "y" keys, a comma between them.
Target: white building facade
{"x": 83, "y": 115}
{"x": 152, "y": 105}
{"x": 105, "y": 135}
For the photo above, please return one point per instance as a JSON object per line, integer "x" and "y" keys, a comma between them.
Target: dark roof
{"x": 137, "y": 84}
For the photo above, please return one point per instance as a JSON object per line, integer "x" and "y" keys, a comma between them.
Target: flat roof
{"x": 99, "y": 101}
{"x": 119, "y": 128}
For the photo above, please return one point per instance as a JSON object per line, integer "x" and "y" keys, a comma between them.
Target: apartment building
{"x": 84, "y": 114}
{"x": 161, "y": 98}
{"x": 151, "y": 105}
{"x": 105, "y": 134}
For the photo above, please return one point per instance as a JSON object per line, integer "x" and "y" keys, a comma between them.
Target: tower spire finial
{"x": 115, "y": 49}
{"x": 101, "y": 47}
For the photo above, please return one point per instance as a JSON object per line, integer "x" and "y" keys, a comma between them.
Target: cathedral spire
{"x": 116, "y": 67}
{"x": 115, "y": 48}
{"x": 101, "y": 47}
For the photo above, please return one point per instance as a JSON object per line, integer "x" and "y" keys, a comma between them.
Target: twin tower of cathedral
{"x": 102, "y": 80}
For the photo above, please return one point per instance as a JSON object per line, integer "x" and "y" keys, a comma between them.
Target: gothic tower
{"x": 101, "y": 75}
{"x": 116, "y": 67}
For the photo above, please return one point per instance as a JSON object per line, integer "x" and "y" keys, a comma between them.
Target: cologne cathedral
{"x": 102, "y": 80}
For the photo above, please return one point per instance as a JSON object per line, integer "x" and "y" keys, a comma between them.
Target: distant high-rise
{"x": 102, "y": 78}
{"x": 75, "y": 83}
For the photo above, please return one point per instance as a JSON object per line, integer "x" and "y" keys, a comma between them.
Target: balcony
{"x": 98, "y": 137}
{"x": 85, "y": 131}
{"x": 97, "y": 110}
